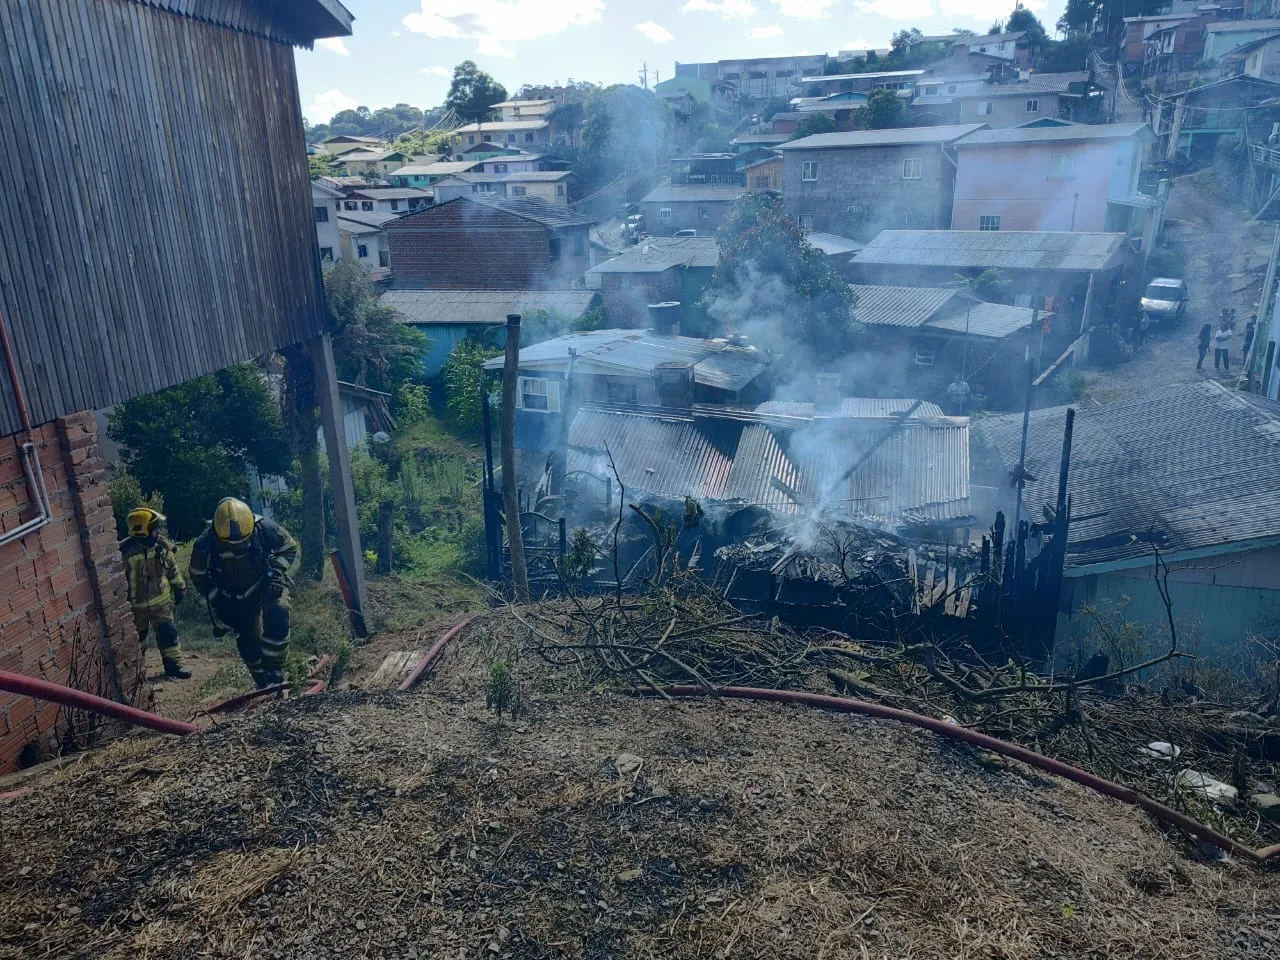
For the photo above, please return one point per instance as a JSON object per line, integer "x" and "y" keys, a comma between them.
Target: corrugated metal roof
{"x": 980, "y": 319}
{"x": 540, "y": 211}
{"x": 1082, "y": 131}
{"x": 832, "y": 244}
{"x": 483, "y": 306}
{"x": 364, "y": 221}
{"x": 761, "y": 138}
{"x": 662, "y": 253}
{"x": 441, "y": 168}
{"x": 849, "y": 407}
{"x": 502, "y": 126}
{"x": 729, "y": 370}
{"x": 1189, "y": 466}
{"x": 895, "y": 136}
{"x": 669, "y": 457}
{"x": 1241, "y": 26}
{"x": 885, "y": 306}
{"x": 392, "y": 193}
{"x": 1006, "y": 249}
{"x": 694, "y": 193}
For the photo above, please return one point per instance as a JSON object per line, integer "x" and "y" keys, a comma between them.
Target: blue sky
{"x": 405, "y": 50}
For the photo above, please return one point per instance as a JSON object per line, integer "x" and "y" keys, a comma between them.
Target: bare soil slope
{"x": 415, "y": 825}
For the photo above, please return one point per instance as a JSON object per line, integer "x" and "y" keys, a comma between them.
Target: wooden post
{"x": 344, "y": 496}
{"x": 386, "y": 534}
{"x": 510, "y": 497}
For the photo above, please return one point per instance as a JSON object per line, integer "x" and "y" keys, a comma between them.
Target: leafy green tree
{"x": 421, "y": 143}
{"x": 1067, "y": 55}
{"x": 884, "y": 109}
{"x": 473, "y": 92}
{"x": 625, "y": 128}
{"x": 1078, "y": 16}
{"x": 1024, "y": 20}
{"x": 191, "y": 444}
{"x": 323, "y": 165}
{"x": 463, "y": 377}
{"x": 567, "y": 119}
{"x": 814, "y": 123}
{"x": 763, "y": 252}
{"x": 370, "y": 345}
{"x": 713, "y": 138}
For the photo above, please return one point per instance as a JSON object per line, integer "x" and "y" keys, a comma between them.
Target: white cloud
{"x": 655, "y": 32}
{"x": 334, "y": 45}
{"x": 902, "y": 9}
{"x": 497, "y": 26}
{"x": 804, "y": 9}
{"x": 984, "y": 12}
{"x": 325, "y": 105}
{"x": 771, "y": 32}
{"x": 726, "y": 9}
{"x": 437, "y": 71}
{"x": 858, "y": 44}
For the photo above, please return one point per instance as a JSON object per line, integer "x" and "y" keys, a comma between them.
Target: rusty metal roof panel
{"x": 886, "y": 306}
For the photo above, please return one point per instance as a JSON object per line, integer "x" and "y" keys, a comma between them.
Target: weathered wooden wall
{"x": 161, "y": 225}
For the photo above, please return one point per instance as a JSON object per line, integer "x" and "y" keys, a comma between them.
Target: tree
{"x": 1023, "y": 20}
{"x": 323, "y": 165}
{"x": 463, "y": 377}
{"x": 192, "y": 444}
{"x": 420, "y": 142}
{"x": 625, "y": 128}
{"x": 370, "y": 345}
{"x": 473, "y": 92}
{"x": 904, "y": 39}
{"x": 713, "y": 138}
{"x": 1067, "y": 55}
{"x": 567, "y": 118}
{"x": 768, "y": 270}
{"x": 884, "y": 109}
{"x": 815, "y": 123}
{"x": 1078, "y": 16}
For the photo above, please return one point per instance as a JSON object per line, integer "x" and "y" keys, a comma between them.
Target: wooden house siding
{"x": 147, "y": 245}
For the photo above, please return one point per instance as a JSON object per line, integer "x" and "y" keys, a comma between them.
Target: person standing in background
{"x": 1206, "y": 334}
{"x": 1222, "y": 346}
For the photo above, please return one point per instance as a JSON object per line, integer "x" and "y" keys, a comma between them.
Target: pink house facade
{"x": 1079, "y": 178}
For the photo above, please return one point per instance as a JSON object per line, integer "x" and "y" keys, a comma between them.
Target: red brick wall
{"x": 626, "y": 296}
{"x": 64, "y": 615}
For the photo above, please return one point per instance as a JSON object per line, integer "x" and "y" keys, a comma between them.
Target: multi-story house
{"x": 379, "y": 163}
{"x": 1016, "y": 46}
{"x": 327, "y": 204}
{"x": 364, "y": 241}
{"x": 522, "y": 124}
{"x": 858, "y": 183}
{"x": 1081, "y": 178}
{"x": 1010, "y": 103}
{"x": 394, "y": 200}
{"x": 759, "y": 78}
{"x": 549, "y": 185}
{"x": 476, "y": 243}
{"x": 426, "y": 173}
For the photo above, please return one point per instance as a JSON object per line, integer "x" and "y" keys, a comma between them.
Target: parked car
{"x": 685, "y": 233}
{"x": 1165, "y": 300}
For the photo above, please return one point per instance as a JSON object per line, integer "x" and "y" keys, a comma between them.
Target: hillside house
{"x": 1259, "y": 59}
{"x": 338, "y": 145}
{"x": 481, "y": 244}
{"x": 858, "y": 183}
{"x": 764, "y": 174}
{"x": 821, "y": 87}
{"x": 1078, "y": 177}
{"x": 551, "y": 186}
{"x": 1163, "y": 472}
{"x": 757, "y": 78}
{"x": 326, "y": 203}
{"x": 521, "y": 124}
{"x": 448, "y": 317}
{"x": 378, "y": 163}
{"x": 364, "y": 241}
{"x": 1016, "y": 46}
{"x": 215, "y": 291}
{"x": 519, "y": 162}
{"x": 1011, "y": 102}
{"x": 1223, "y": 36}
{"x": 424, "y": 174}
{"x": 390, "y": 199}
{"x": 657, "y": 270}
{"x": 1138, "y": 31}
{"x": 688, "y": 206}
{"x": 1170, "y": 54}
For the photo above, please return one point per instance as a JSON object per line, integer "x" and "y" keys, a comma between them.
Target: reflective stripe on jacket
{"x": 150, "y": 572}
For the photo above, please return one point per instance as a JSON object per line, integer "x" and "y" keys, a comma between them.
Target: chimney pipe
{"x": 665, "y": 318}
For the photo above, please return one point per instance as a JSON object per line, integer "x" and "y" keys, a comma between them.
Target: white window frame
{"x": 538, "y": 387}
{"x": 984, "y": 108}
{"x": 1062, "y": 166}
{"x": 910, "y": 164}
{"x": 1033, "y": 105}
{"x": 805, "y": 220}
{"x": 989, "y": 223}
{"x": 664, "y": 213}
{"x": 925, "y": 359}
{"x": 518, "y": 191}
{"x": 809, "y": 171}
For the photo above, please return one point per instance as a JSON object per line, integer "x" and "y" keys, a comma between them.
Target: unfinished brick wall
{"x": 64, "y": 615}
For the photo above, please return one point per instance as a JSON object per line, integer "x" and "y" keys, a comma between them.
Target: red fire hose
{"x": 240, "y": 699}
{"x": 416, "y": 673}
{"x": 1029, "y": 757}
{"x": 43, "y": 690}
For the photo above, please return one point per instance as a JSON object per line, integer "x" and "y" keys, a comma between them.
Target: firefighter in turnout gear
{"x": 243, "y": 566}
{"x": 155, "y": 586}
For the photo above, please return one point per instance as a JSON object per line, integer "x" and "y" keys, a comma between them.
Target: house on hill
{"x": 688, "y": 206}
{"x": 858, "y": 183}
{"x": 477, "y": 243}
{"x": 1164, "y": 473}
{"x": 657, "y": 270}
{"x": 1011, "y": 102}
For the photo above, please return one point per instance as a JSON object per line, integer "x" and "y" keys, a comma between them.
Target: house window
{"x": 911, "y": 167}
{"x": 511, "y": 138}
{"x": 1033, "y": 106}
{"x": 499, "y": 168}
{"x": 362, "y": 251}
{"x": 984, "y": 108}
{"x": 704, "y": 213}
{"x": 366, "y": 204}
{"x": 395, "y": 204}
{"x": 664, "y": 213}
{"x": 989, "y": 223}
{"x": 471, "y": 138}
{"x": 809, "y": 170}
{"x": 538, "y": 393}
{"x": 322, "y": 214}
{"x": 553, "y": 249}
{"x": 528, "y": 138}
{"x": 579, "y": 244}
{"x": 326, "y": 254}
{"x": 805, "y": 220}
{"x": 761, "y": 183}
{"x": 518, "y": 191}
{"x": 1062, "y": 165}
{"x": 908, "y": 222}
{"x": 622, "y": 393}
{"x": 559, "y": 189}
{"x": 930, "y": 91}
{"x": 350, "y": 205}
{"x": 384, "y": 258}
{"x": 924, "y": 359}
{"x": 951, "y": 88}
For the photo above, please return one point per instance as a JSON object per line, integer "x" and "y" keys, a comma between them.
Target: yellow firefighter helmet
{"x": 233, "y": 521}
{"x": 143, "y": 521}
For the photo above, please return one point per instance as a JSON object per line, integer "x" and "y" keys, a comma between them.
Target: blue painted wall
{"x": 445, "y": 336}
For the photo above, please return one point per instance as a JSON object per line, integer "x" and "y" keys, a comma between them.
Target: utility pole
{"x": 644, "y": 75}
{"x": 510, "y": 498}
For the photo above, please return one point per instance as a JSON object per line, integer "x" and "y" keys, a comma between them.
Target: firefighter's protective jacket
{"x": 150, "y": 571}
{"x": 238, "y": 571}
